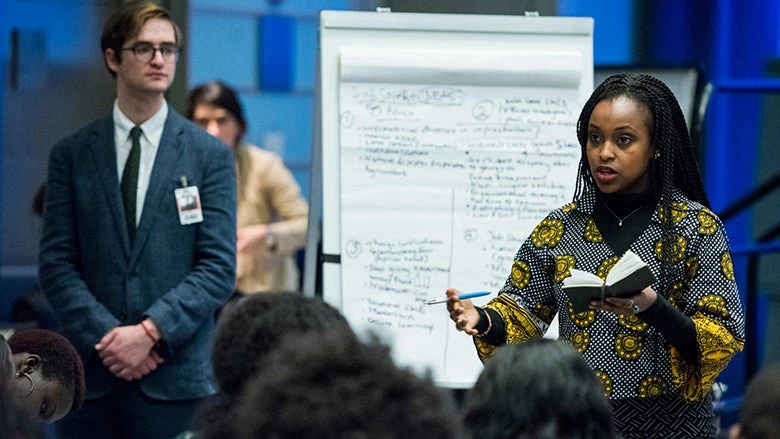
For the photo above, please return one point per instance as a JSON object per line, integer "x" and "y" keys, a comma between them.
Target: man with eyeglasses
{"x": 133, "y": 276}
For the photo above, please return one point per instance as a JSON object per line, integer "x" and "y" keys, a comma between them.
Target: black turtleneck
{"x": 634, "y": 210}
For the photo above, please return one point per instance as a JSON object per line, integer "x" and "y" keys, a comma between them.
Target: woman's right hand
{"x": 462, "y": 312}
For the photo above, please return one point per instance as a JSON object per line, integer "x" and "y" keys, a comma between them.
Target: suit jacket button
{"x": 122, "y": 317}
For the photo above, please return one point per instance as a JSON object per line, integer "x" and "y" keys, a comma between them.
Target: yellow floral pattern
{"x": 691, "y": 268}
{"x": 714, "y": 305}
{"x": 716, "y": 348}
{"x": 628, "y": 347}
{"x": 580, "y": 341}
{"x": 544, "y": 312}
{"x": 569, "y": 207}
{"x": 679, "y": 212}
{"x": 521, "y": 274}
{"x": 651, "y": 387}
{"x": 606, "y": 267}
{"x": 632, "y": 322}
{"x": 581, "y": 319}
{"x": 562, "y": 266}
{"x": 676, "y": 292}
{"x": 547, "y": 234}
{"x": 727, "y": 266}
{"x": 592, "y": 233}
{"x": 677, "y": 245}
{"x": 707, "y": 223}
{"x": 519, "y": 324}
{"x": 606, "y": 382}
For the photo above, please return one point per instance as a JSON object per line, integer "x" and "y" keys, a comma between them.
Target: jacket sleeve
{"x": 286, "y": 201}
{"x": 709, "y": 296}
{"x": 181, "y": 311}
{"x": 84, "y": 320}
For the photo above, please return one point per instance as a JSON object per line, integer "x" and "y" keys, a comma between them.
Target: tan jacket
{"x": 268, "y": 194}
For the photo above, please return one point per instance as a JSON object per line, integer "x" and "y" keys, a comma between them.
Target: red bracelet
{"x": 148, "y": 332}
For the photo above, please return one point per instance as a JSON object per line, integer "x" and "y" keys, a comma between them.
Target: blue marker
{"x": 463, "y": 296}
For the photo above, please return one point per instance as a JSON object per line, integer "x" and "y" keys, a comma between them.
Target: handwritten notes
{"x": 440, "y": 184}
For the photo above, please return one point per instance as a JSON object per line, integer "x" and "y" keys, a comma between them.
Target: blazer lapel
{"x": 104, "y": 154}
{"x": 164, "y": 170}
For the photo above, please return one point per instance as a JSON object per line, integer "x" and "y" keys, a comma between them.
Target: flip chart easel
{"x": 443, "y": 140}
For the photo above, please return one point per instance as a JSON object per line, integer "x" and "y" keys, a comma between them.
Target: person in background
{"x": 133, "y": 279}
{"x": 248, "y": 333}
{"x": 272, "y": 215}
{"x": 759, "y": 413}
{"x": 13, "y": 423}
{"x": 42, "y": 376}
{"x": 659, "y": 351}
{"x": 334, "y": 386}
{"x": 541, "y": 389}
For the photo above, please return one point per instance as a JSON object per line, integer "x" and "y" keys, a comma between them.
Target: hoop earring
{"x": 32, "y": 383}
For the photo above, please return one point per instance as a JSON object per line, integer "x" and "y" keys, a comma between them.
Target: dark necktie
{"x": 130, "y": 182}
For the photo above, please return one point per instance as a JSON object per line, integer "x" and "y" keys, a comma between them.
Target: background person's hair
{"x": 59, "y": 359}
{"x": 759, "y": 414}
{"x": 541, "y": 389}
{"x": 248, "y": 331}
{"x": 220, "y": 95}
{"x": 676, "y": 166}
{"x": 127, "y": 21}
{"x": 334, "y": 386}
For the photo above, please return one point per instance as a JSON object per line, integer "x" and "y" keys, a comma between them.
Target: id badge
{"x": 188, "y": 204}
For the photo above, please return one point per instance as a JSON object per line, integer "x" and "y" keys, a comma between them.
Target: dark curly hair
{"x": 676, "y": 167}
{"x": 59, "y": 359}
{"x": 248, "y": 331}
{"x": 338, "y": 387}
{"x": 540, "y": 389}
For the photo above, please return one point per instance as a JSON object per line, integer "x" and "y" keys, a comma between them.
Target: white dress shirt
{"x": 150, "y": 141}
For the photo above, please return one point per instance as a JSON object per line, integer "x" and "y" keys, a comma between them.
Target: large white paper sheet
{"x": 439, "y": 186}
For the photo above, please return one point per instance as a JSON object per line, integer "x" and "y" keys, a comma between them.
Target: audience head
{"x": 334, "y": 386}
{"x": 248, "y": 331}
{"x": 539, "y": 389}
{"x": 215, "y": 107}
{"x": 126, "y": 23}
{"x": 48, "y": 375}
{"x": 671, "y": 162}
{"x": 12, "y": 423}
{"x": 759, "y": 415}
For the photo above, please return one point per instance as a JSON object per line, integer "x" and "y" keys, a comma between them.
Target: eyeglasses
{"x": 144, "y": 52}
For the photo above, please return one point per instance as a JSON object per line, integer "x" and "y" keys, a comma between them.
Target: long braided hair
{"x": 676, "y": 167}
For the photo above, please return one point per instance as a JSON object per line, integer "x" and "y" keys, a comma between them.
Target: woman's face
{"x": 41, "y": 399}
{"x": 219, "y": 123}
{"x": 619, "y": 149}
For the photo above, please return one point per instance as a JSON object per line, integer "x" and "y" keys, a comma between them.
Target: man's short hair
{"x": 59, "y": 359}
{"x": 127, "y": 21}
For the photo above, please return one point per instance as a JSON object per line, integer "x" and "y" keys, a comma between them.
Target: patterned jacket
{"x": 631, "y": 358}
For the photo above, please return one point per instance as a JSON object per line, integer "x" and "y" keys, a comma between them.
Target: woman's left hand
{"x": 250, "y": 236}
{"x": 628, "y": 306}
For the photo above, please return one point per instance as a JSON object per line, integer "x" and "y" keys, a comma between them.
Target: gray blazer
{"x": 176, "y": 275}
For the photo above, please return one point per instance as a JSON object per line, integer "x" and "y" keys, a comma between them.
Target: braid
{"x": 675, "y": 168}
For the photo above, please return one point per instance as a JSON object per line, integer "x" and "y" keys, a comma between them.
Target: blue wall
{"x": 225, "y": 44}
